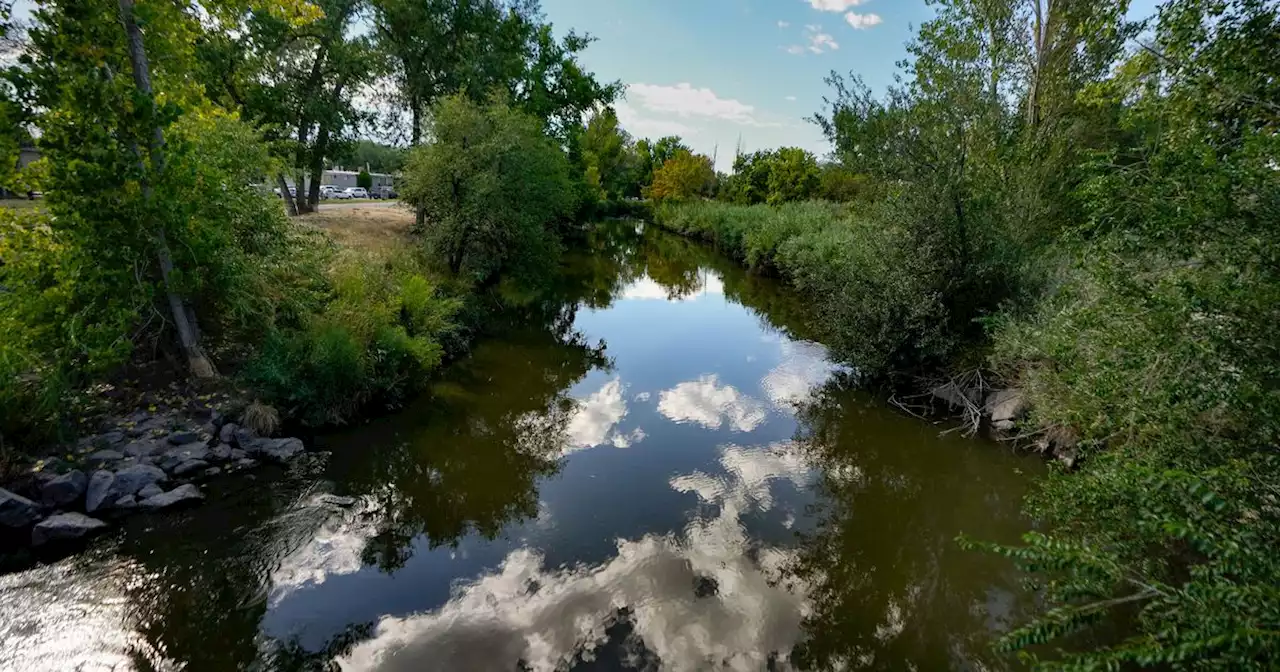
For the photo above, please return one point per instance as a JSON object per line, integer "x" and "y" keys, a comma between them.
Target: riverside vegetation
{"x": 1097, "y": 229}
{"x": 1077, "y": 205}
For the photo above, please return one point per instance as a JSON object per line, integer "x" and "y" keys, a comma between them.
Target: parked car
{"x": 340, "y": 194}
{"x": 384, "y": 192}
{"x": 293, "y": 191}
{"x": 357, "y": 192}
{"x": 326, "y": 190}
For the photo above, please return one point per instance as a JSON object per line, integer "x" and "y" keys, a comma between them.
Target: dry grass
{"x": 377, "y": 229}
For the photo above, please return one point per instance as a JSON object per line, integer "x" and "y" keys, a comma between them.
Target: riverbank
{"x": 1125, "y": 367}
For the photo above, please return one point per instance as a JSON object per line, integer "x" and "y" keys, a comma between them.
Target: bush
{"x": 364, "y": 180}
{"x": 375, "y": 341}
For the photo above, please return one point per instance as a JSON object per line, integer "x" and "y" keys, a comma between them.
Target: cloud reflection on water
{"x": 708, "y": 597}
{"x": 708, "y": 402}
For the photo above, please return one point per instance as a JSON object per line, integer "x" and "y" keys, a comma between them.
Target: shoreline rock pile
{"x": 145, "y": 462}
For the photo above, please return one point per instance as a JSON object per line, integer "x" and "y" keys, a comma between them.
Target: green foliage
{"x": 682, "y": 178}
{"x": 493, "y": 187}
{"x": 378, "y": 157}
{"x": 774, "y": 177}
{"x": 364, "y": 179}
{"x": 374, "y": 342}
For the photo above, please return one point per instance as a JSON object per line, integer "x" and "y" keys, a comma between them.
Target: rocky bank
{"x": 147, "y": 461}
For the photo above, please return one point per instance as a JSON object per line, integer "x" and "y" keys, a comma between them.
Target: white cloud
{"x": 863, "y": 21}
{"x": 707, "y": 402}
{"x": 525, "y": 613}
{"x": 684, "y": 100}
{"x": 783, "y": 24}
{"x": 819, "y": 41}
{"x": 804, "y": 366}
{"x": 646, "y": 289}
{"x": 641, "y": 125}
{"x": 593, "y": 422}
{"x": 833, "y": 5}
{"x": 791, "y": 99}
{"x": 334, "y": 550}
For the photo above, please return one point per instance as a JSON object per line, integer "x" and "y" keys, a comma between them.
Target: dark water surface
{"x": 650, "y": 470}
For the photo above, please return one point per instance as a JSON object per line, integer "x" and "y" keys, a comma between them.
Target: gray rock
{"x": 220, "y": 452}
{"x": 104, "y": 457}
{"x": 246, "y": 463}
{"x": 956, "y": 397}
{"x": 127, "y": 502}
{"x": 237, "y": 454}
{"x": 276, "y": 450}
{"x": 150, "y": 491}
{"x": 16, "y": 510}
{"x": 245, "y": 437}
{"x": 228, "y": 432}
{"x": 65, "y": 489}
{"x": 191, "y": 451}
{"x": 129, "y": 481}
{"x": 183, "y": 438}
{"x": 64, "y": 527}
{"x": 138, "y": 417}
{"x": 189, "y": 466}
{"x": 99, "y": 490}
{"x": 1006, "y": 408}
{"x": 213, "y": 471}
{"x": 182, "y": 494}
{"x": 142, "y": 448}
{"x": 111, "y": 439}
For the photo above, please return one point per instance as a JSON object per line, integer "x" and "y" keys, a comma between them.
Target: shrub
{"x": 375, "y": 341}
{"x": 364, "y": 179}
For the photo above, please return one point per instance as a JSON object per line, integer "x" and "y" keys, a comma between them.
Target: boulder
{"x": 64, "y": 527}
{"x": 132, "y": 479}
{"x": 65, "y": 489}
{"x": 228, "y": 432}
{"x": 16, "y": 510}
{"x": 246, "y": 463}
{"x": 182, "y": 494}
{"x": 276, "y": 450}
{"x": 184, "y": 438}
{"x": 104, "y": 458}
{"x": 127, "y": 502}
{"x": 150, "y": 491}
{"x": 220, "y": 452}
{"x": 245, "y": 437}
{"x": 1006, "y": 408}
{"x": 99, "y": 490}
{"x": 190, "y": 451}
{"x": 237, "y": 454}
{"x": 142, "y": 448}
{"x": 189, "y": 467}
{"x": 213, "y": 471}
{"x": 111, "y": 439}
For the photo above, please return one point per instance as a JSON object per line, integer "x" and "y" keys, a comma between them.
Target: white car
{"x": 357, "y": 192}
{"x": 339, "y": 194}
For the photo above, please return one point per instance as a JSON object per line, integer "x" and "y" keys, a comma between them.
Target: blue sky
{"x": 714, "y": 71}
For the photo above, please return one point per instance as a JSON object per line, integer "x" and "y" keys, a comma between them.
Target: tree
{"x": 492, "y": 187}
{"x": 683, "y": 177}
{"x": 608, "y": 156}
{"x": 793, "y": 176}
{"x": 364, "y": 180}
{"x": 378, "y": 157}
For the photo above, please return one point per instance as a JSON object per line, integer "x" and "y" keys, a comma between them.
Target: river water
{"x": 649, "y": 467}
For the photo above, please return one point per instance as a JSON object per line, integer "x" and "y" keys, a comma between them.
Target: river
{"x": 648, "y": 467}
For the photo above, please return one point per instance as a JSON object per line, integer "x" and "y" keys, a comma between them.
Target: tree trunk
{"x": 419, "y": 215}
{"x": 289, "y": 203}
{"x": 187, "y": 334}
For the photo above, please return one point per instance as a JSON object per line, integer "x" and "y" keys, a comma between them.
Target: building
{"x": 26, "y": 156}
{"x": 343, "y": 179}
